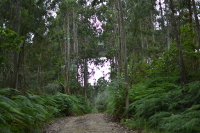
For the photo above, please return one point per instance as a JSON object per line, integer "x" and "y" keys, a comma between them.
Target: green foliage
{"x": 158, "y": 103}
{"x": 52, "y": 88}
{"x": 162, "y": 105}
{"x": 26, "y": 113}
{"x": 101, "y": 100}
{"x": 67, "y": 105}
{"x": 111, "y": 100}
{"x": 9, "y": 40}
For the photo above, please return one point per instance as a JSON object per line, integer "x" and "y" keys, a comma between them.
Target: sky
{"x": 99, "y": 71}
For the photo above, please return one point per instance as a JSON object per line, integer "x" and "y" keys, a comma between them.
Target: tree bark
{"x": 196, "y": 22}
{"x": 124, "y": 51}
{"x": 162, "y": 23}
{"x": 176, "y": 30}
{"x": 16, "y": 27}
{"x": 68, "y": 55}
{"x": 152, "y": 25}
{"x": 119, "y": 37}
{"x": 85, "y": 78}
{"x": 75, "y": 40}
{"x": 190, "y": 11}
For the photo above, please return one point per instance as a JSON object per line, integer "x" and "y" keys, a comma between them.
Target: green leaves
{"x": 161, "y": 104}
{"x": 9, "y": 40}
{"x": 27, "y": 113}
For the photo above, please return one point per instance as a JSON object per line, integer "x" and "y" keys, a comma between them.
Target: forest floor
{"x": 89, "y": 123}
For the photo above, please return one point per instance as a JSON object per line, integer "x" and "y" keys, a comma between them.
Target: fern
{"x": 8, "y": 91}
{"x": 155, "y": 119}
{"x": 26, "y": 113}
{"x": 165, "y": 106}
{"x": 184, "y": 123}
{"x": 5, "y": 130}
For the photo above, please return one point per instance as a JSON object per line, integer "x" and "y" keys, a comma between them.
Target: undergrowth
{"x": 27, "y": 113}
{"x": 164, "y": 106}
{"x": 159, "y": 104}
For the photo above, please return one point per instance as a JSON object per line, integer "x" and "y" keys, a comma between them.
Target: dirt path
{"x": 89, "y": 123}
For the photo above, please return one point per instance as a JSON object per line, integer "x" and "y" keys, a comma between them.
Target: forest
{"x": 153, "y": 47}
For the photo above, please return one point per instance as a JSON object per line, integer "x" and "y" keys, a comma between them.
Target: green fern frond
{"x": 6, "y": 100}
{"x": 156, "y": 118}
{"x": 5, "y": 130}
{"x": 191, "y": 125}
{"x": 35, "y": 98}
{"x": 194, "y": 107}
{"x": 2, "y": 121}
{"x": 7, "y": 91}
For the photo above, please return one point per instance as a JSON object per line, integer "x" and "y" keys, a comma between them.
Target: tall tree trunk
{"x": 141, "y": 36}
{"x": 124, "y": 51}
{"x": 168, "y": 27}
{"x": 152, "y": 25}
{"x": 190, "y": 11}
{"x": 85, "y": 78}
{"x": 68, "y": 54}
{"x": 196, "y": 22}
{"x": 16, "y": 27}
{"x": 162, "y": 22}
{"x": 75, "y": 40}
{"x": 64, "y": 53}
{"x": 162, "y": 17}
{"x": 176, "y": 30}
{"x": 119, "y": 41}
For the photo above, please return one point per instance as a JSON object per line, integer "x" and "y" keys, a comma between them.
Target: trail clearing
{"x": 89, "y": 123}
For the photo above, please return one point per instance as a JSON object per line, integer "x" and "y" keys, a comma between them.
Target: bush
{"x": 26, "y": 113}
{"x": 165, "y": 106}
{"x": 111, "y": 100}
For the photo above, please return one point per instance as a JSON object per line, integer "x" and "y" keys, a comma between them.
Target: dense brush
{"x": 26, "y": 113}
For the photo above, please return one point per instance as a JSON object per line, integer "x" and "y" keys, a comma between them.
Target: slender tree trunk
{"x": 152, "y": 25}
{"x": 190, "y": 11}
{"x": 124, "y": 48}
{"x": 177, "y": 35}
{"x": 68, "y": 55}
{"x": 168, "y": 27}
{"x": 162, "y": 17}
{"x": 168, "y": 36}
{"x": 85, "y": 78}
{"x": 16, "y": 54}
{"x": 64, "y": 54}
{"x": 85, "y": 71}
{"x": 162, "y": 22}
{"x": 196, "y": 22}
{"x": 141, "y": 37}
{"x": 75, "y": 40}
{"x": 119, "y": 43}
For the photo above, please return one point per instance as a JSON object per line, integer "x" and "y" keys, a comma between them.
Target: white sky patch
{"x": 99, "y": 71}
{"x": 30, "y": 37}
{"x": 52, "y": 13}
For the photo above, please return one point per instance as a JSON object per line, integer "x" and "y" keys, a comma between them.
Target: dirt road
{"x": 89, "y": 123}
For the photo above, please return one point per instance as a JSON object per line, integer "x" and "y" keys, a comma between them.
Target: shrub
{"x": 165, "y": 106}
{"x": 26, "y": 113}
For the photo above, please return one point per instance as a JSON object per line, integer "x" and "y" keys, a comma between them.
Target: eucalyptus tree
{"x": 196, "y": 21}
{"x": 30, "y": 19}
{"x": 87, "y": 43}
{"x": 117, "y": 42}
{"x": 13, "y": 24}
{"x": 176, "y": 30}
